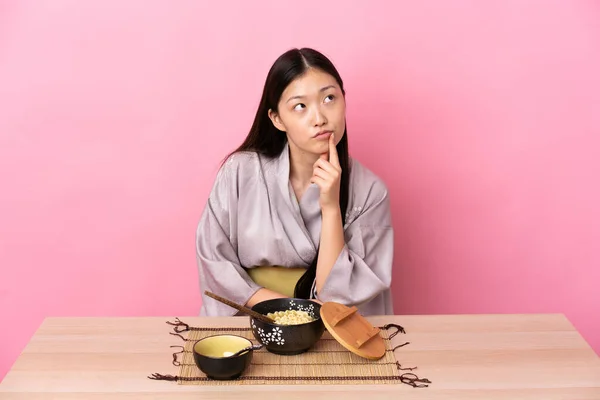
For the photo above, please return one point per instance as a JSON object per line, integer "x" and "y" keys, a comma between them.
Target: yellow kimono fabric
{"x": 278, "y": 279}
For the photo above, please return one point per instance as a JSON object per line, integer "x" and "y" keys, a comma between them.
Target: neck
{"x": 301, "y": 167}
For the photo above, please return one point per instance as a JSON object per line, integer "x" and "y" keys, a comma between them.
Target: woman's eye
{"x": 299, "y": 106}
{"x": 329, "y": 98}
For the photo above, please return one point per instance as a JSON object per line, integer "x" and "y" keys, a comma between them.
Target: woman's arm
{"x": 331, "y": 244}
{"x": 356, "y": 265}
{"x": 363, "y": 267}
{"x": 220, "y": 269}
{"x": 262, "y": 295}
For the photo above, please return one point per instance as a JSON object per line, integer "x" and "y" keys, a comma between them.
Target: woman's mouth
{"x": 323, "y": 135}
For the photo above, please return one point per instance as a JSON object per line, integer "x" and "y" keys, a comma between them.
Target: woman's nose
{"x": 320, "y": 118}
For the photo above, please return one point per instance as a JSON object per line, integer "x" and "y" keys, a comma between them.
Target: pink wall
{"x": 483, "y": 118}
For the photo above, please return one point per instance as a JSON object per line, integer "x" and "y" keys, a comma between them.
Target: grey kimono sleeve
{"x": 216, "y": 248}
{"x": 363, "y": 269}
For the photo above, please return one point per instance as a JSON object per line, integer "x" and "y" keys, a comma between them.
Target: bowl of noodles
{"x": 298, "y": 325}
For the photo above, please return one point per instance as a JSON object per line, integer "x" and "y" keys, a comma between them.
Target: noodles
{"x": 290, "y": 317}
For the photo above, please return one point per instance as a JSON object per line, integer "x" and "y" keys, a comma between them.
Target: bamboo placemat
{"x": 327, "y": 362}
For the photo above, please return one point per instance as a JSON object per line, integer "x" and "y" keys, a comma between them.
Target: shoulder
{"x": 364, "y": 183}
{"x": 368, "y": 193}
{"x": 238, "y": 169}
{"x": 241, "y": 165}
{"x": 240, "y": 161}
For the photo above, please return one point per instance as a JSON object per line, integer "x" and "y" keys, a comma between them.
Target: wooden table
{"x": 537, "y": 357}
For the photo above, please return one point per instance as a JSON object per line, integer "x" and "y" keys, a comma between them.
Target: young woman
{"x": 290, "y": 213}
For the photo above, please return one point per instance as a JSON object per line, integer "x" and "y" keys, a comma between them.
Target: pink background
{"x": 482, "y": 117}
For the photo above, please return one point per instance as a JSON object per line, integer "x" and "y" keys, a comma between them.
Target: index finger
{"x": 333, "y": 155}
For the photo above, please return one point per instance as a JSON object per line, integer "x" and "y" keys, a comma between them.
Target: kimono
{"x": 252, "y": 218}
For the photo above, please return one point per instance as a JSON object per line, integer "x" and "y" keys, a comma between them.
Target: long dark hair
{"x": 265, "y": 139}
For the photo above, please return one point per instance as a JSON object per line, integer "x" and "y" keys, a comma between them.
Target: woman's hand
{"x": 326, "y": 174}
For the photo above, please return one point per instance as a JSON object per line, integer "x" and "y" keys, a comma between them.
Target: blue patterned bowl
{"x": 287, "y": 339}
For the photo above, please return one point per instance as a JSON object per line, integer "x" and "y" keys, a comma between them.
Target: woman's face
{"x": 311, "y": 108}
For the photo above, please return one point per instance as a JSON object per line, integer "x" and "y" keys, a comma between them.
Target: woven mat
{"x": 327, "y": 362}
